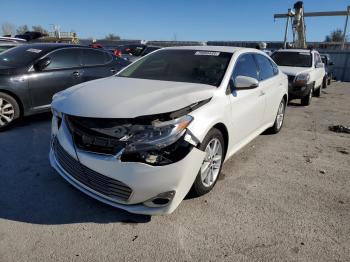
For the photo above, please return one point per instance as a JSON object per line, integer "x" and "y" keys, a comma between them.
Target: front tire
{"x": 305, "y": 101}
{"x": 9, "y": 110}
{"x": 214, "y": 146}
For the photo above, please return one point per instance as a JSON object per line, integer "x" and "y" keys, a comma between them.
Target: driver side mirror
{"x": 245, "y": 82}
{"x": 42, "y": 64}
{"x": 319, "y": 65}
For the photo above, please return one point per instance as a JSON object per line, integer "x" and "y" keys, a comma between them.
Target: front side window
{"x": 65, "y": 58}
{"x": 265, "y": 67}
{"x": 192, "y": 66}
{"x": 245, "y": 66}
{"x": 294, "y": 59}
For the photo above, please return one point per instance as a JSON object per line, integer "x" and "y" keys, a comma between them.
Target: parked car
{"x": 326, "y": 59}
{"x": 134, "y": 52}
{"x": 305, "y": 70}
{"x": 9, "y": 42}
{"x": 31, "y": 74}
{"x": 140, "y": 140}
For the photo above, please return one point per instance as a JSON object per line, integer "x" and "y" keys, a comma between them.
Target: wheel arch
{"x": 18, "y": 100}
{"x": 223, "y": 129}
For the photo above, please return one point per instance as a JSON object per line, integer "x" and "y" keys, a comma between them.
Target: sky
{"x": 196, "y": 20}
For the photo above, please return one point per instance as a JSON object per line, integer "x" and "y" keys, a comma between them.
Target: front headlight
{"x": 157, "y": 135}
{"x": 302, "y": 79}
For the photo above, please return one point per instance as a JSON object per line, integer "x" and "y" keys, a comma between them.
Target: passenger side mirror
{"x": 245, "y": 82}
{"x": 319, "y": 65}
{"x": 42, "y": 64}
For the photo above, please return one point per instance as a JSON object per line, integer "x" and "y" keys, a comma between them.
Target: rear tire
{"x": 9, "y": 110}
{"x": 305, "y": 101}
{"x": 279, "y": 120}
{"x": 214, "y": 146}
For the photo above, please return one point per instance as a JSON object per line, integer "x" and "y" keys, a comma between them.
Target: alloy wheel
{"x": 212, "y": 163}
{"x": 7, "y": 112}
{"x": 280, "y": 115}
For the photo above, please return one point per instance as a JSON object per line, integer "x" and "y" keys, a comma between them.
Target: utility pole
{"x": 301, "y": 31}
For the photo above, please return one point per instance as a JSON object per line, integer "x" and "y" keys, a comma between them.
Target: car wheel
{"x": 9, "y": 110}
{"x": 317, "y": 92}
{"x": 305, "y": 101}
{"x": 214, "y": 147}
{"x": 277, "y": 126}
{"x": 329, "y": 80}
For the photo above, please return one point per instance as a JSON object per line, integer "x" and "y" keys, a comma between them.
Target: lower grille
{"x": 97, "y": 182}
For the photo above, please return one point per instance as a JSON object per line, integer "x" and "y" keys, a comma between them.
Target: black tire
{"x": 306, "y": 100}
{"x": 199, "y": 188}
{"x": 329, "y": 80}
{"x": 317, "y": 92}
{"x": 277, "y": 126}
{"x": 5, "y": 101}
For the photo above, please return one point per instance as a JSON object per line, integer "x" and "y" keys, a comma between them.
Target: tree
{"x": 112, "y": 37}
{"x": 7, "y": 28}
{"x": 22, "y": 29}
{"x": 39, "y": 28}
{"x": 336, "y": 36}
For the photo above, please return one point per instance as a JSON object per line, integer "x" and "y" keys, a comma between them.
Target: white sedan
{"x": 142, "y": 139}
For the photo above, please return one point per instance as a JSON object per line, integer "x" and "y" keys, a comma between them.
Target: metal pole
{"x": 345, "y": 28}
{"x": 286, "y": 31}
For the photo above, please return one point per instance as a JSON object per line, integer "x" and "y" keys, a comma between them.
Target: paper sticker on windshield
{"x": 207, "y": 53}
{"x": 33, "y": 50}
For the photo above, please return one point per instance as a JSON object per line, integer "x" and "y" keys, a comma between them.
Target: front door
{"x": 63, "y": 72}
{"x": 247, "y": 105}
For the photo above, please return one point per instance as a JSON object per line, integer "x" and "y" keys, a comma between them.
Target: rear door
{"x": 270, "y": 85}
{"x": 247, "y": 105}
{"x": 97, "y": 64}
{"x": 63, "y": 72}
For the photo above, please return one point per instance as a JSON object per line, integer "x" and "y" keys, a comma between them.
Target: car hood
{"x": 119, "y": 97}
{"x": 289, "y": 70}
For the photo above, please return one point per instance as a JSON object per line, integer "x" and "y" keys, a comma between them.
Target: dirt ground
{"x": 284, "y": 197}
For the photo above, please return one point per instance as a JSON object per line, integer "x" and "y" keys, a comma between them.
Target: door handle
{"x": 113, "y": 71}
{"x": 76, "y": 74}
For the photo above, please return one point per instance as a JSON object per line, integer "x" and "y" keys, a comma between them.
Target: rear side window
{"x": 93, "y": 57}
{"x": 245, "y": 66}
{"x": 64, "y": 58}
{"x": 265, "y": 67}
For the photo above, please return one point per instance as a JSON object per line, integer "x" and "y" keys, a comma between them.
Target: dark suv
{"x": 31, "y": 74}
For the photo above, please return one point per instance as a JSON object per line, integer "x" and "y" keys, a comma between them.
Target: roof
{"x": 228, "y": 49}
{"x": 297, "y": 50}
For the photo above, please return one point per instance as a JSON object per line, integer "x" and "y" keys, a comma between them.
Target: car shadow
{"x": 31, "y": 192}
{"x": 295, "y": 104}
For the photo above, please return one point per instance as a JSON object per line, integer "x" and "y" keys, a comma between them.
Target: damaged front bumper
{"x": 143, "y": 188}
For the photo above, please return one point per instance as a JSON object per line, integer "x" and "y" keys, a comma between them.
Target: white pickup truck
{"x": 305, "y": 70}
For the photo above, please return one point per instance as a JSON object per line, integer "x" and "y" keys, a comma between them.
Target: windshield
{"x": 192, "y": 66}
{"x": 296, "y": 59}
{"x": 19, "y": 56}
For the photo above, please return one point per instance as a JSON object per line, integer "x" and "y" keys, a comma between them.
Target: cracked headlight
{"x": 156, "y": 136}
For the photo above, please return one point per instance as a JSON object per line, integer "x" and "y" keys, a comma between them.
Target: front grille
{"x": 291, "y": 78}
{"x": 86, "y": 137}
{"x": 97, "y": 182}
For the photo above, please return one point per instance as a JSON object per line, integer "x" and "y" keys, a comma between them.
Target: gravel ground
{"x": 284, "y": 197}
